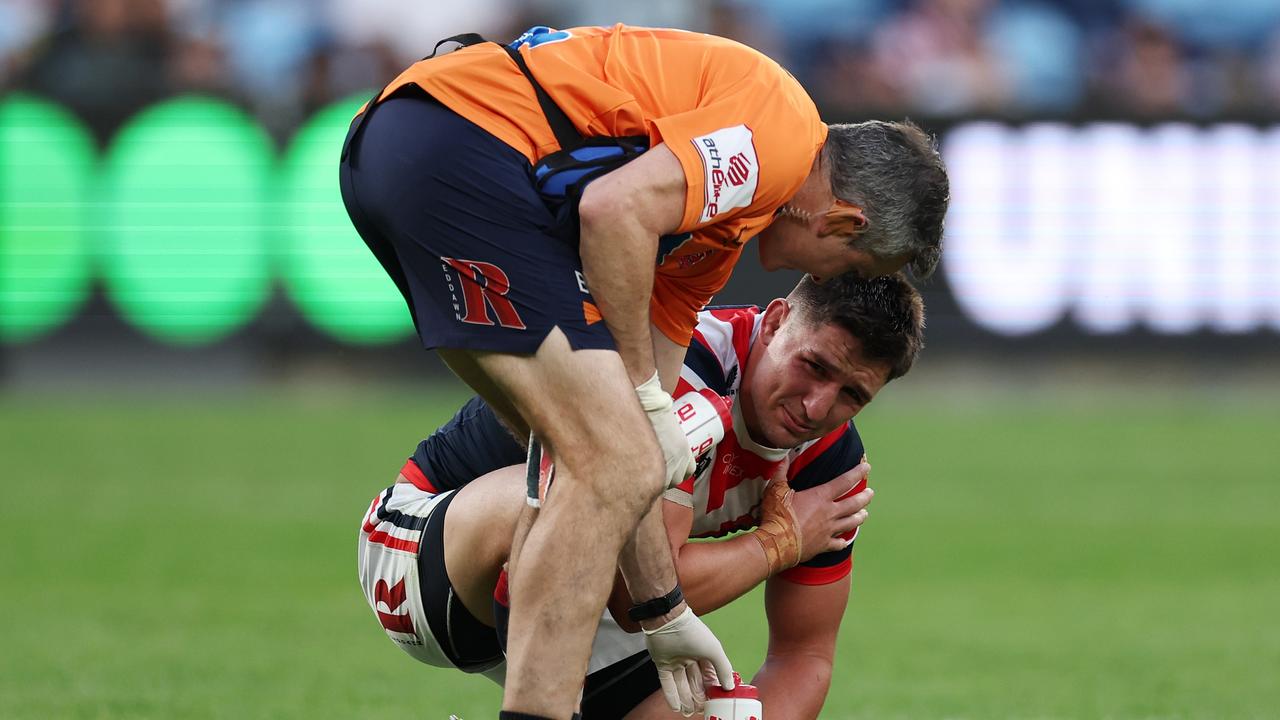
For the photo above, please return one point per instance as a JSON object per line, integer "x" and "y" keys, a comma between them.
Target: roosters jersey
{"x": 726, "y": 489}
{"x": 743, "y": 129}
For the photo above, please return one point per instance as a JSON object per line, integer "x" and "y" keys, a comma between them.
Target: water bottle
{"x": 703, "y": 417}
{"x": 740, "y": 703}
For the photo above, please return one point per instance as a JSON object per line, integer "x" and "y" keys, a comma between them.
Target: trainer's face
{"x": 802, "y": 381}
{"x": 821, "y": 241}
{"x": 787, "y": 245}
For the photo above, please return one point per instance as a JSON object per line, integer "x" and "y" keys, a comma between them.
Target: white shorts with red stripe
{"x": 388, "y": 561}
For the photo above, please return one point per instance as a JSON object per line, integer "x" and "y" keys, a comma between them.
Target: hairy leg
{"x": 608, "y": 472}
{"x": 465, "y": 365}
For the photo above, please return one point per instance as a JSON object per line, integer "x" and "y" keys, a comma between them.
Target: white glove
{"x": 672, "y": 440}
{"x": 685, "y": 651}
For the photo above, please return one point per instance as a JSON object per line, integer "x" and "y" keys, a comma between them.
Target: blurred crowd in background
{"x": 939, "y": 59}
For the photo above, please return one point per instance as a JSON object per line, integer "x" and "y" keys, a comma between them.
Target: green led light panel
{"x": 46, "y": 167}
{"x": 330, "y": 274}
{"x": 186, "y": 186}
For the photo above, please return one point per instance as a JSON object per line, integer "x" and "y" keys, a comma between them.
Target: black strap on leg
{"x": 532, "y": 472}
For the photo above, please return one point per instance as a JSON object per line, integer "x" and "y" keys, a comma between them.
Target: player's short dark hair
{"x": 893, "y": 171}
{"x": 885, "y": 314}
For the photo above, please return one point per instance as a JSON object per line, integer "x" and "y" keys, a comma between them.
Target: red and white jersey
{"x": 724, "y": 492}
{"x": 726, "y": 489}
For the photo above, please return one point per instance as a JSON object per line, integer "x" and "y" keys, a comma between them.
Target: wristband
{"x": 656, "y": 607}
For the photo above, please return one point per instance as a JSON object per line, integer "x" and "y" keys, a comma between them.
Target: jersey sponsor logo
{"x": 393, "y": 597}
{"x": 731, "y": 169}
{"x": 739, "y": 170}
{"x": 704, "y": 462}
{"x": 692, "y": 259}
{"x": 484, "y": 287}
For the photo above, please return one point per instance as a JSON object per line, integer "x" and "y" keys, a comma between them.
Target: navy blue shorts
{"x": 452, "y": 214}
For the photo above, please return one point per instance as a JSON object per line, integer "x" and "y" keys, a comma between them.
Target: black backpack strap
{"x": 566, "y": 134}
{"x": 463, "y": 40}
{"x": 353, "y": 135}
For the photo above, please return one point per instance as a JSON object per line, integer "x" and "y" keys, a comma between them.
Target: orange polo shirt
{"x": 746, "y": 134}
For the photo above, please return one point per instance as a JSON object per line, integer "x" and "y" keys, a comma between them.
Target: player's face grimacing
{"x": 802, "y": 379}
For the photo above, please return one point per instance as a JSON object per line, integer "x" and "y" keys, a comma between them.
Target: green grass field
{"x": 1099, "y": 558}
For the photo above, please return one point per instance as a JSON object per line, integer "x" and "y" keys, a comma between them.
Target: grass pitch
{"x": 195, "y": 558}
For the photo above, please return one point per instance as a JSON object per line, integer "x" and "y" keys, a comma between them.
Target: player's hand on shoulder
{"x": 828, "y": 511}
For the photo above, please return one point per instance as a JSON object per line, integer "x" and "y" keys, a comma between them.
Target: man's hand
{"x": 794, "y": 527}
{"x": 675, "y": 445}
{"x": 824, "y": 514}
{"x": 685, "y": 651}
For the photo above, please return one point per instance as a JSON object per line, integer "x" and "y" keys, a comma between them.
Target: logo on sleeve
{"x": 731, "y": 170}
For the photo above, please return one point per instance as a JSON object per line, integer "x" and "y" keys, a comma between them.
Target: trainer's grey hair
{"x": 893, "y": 171}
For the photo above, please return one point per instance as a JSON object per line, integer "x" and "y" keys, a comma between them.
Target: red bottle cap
{"x": 739, "y": 691}
{"x": 720, "y": 403}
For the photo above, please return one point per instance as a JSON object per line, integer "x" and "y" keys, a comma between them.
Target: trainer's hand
{"x": 824, "y": 513}
{"x": 675, "y": 446}
{"x": 685, "y": 651}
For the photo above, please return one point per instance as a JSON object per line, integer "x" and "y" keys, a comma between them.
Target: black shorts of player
{"x": 610, "y": 692}
{"x": 452, "y": 214}
{"x": 469, "y": 644}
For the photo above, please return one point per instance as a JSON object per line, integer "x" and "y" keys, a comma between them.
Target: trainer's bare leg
{"x": 465, "y": 365}
{"x": 609, "y": 471}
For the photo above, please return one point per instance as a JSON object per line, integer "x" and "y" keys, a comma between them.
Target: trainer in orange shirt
{"x": 554, "y": 306}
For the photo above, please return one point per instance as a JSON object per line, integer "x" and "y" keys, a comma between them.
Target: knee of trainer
{"x": 652, "y": 477}
{"x": 644, "y": 483}
{"x": 628, "y": 487}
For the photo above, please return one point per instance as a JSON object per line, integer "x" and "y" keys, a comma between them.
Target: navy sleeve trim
{"x": 704, "y": 363}
{"x": 836, "y": 459}
{"x": 474, "y": 442}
